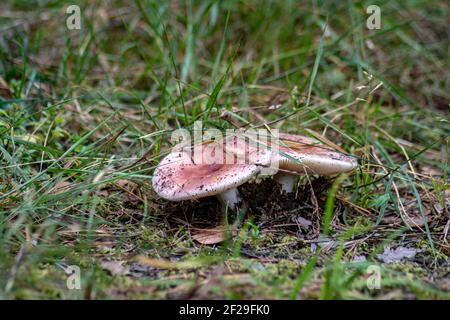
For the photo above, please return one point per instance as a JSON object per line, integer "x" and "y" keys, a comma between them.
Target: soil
{"x": 299, "y": 212}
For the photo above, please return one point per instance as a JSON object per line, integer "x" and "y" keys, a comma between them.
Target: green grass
{"x": 86, "y": 115}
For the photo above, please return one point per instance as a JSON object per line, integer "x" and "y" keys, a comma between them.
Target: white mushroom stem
{"x": 229, "y": 198}
{"x": 286, "y": 180}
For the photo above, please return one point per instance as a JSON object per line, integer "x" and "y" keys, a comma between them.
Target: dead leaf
{"x": 431, "y": 171}
{"x": 3, "y": 83}
{"x": 397, "y": 254}
{"x": 116, "y": 267}
{"x": 103, "y": 193}
{"x": 123, "y": 183}
{"x": 130, "y": 188}
{"x": 210, "y": 236}
{"x": 4, "y": 88}
{"x": 414, "y": 219}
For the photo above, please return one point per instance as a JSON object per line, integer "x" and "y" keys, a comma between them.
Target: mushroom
{"x": 299, "y": 154}
{"x": 214, "y": 168}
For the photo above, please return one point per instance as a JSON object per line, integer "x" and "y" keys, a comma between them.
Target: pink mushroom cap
{"x": 208, "y": 169}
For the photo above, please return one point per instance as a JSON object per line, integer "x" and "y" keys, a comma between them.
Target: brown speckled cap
{"x": 304, "y": 155}
{"x": 181, "y": 175}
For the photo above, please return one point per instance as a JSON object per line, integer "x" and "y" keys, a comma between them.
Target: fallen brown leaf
{"x": 62, "y": 186}
{"x": 210, "y": 236}
{"x": 115, "y": 267}
{"x": 125, "y": 183}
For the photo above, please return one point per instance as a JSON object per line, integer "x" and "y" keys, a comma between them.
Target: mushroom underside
{"x": 300, "y": 163}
